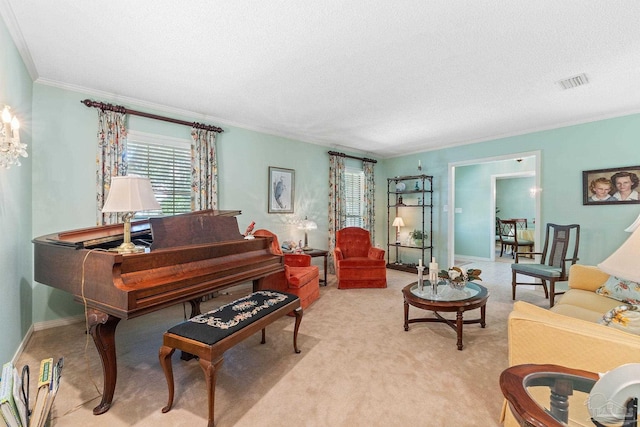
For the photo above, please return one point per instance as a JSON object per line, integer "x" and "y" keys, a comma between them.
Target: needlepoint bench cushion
{"x": 211, "y": 327}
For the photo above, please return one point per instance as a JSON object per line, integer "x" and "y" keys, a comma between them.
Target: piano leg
{"x": 102, "y": 327}
{"x": 195, "y": 311}
{"x": 195, "y": 307}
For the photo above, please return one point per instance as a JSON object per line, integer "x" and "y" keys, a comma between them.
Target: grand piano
{"x": 186, "y": 257}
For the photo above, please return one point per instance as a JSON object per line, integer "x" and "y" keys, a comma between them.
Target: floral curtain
{"x": 369, "y": 200}
{"x": 111, "y": 160}
{"x": 337, "y": 208}
{"x": 204, "y": 172}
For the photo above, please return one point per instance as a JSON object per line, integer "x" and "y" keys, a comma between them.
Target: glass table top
{"x": 446, "y": 292}
{"x": 554, "y": 395}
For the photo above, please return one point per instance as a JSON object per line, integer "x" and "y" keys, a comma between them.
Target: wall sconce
{"x": 533, "y": 192}
{"x": 130, "y": 194}
{"x": 10, "y": 146}
{"x": 307, "y": 225}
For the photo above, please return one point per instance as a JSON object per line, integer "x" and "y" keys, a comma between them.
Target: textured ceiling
{"x": 384, "y": 78}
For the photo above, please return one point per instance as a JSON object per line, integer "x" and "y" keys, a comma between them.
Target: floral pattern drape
{"x": 111, "y": 160}
{"x": 369, "y": 200}
{"x": 337, "y": 208}
{"x": 204, "y": 172}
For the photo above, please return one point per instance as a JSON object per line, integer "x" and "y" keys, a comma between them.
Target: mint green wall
{"x": 474, "y": 199}
{"x": 513, "y": 197}
{"x": 565, "y": 153}
{"x": 15, "y": 206}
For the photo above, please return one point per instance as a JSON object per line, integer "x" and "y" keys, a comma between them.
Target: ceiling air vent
{"x": 575, "y": 81}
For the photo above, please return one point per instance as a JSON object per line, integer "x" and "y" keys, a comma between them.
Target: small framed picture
{"x": 281, "y": 190}
{"x": 611, "y": 186}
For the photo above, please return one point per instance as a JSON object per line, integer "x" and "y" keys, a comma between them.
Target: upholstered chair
{"x": 560, "y": 252}
{"x": 299, "y": 277}
{"x": 357, "y": 263}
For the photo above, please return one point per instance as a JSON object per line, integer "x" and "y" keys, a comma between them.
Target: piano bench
{"x": 207, "y": 336}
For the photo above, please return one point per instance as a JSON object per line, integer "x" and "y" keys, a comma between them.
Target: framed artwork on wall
{"x": 611, "y": 186}
{"x": 281, "y": 190}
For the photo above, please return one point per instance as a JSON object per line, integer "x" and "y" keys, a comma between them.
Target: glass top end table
{"x": 539, "y": 395}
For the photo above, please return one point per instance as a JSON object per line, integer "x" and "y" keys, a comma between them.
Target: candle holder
{"x": 420, "y": 269}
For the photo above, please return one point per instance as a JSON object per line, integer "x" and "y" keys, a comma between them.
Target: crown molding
{"x": 130, "y": 101}
{"x": 14, "y": 30}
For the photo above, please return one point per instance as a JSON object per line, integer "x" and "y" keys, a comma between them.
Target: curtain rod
{"x": 121, "y": 109}
{"x": 364, "y": 159}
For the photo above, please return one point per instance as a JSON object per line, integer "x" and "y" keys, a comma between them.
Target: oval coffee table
{"x": 447, "y": 299}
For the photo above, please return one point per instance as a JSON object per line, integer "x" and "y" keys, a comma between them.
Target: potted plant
{"x": 417, "y": 236}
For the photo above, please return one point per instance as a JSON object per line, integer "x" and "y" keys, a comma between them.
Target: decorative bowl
{"x": 457, "y": 285}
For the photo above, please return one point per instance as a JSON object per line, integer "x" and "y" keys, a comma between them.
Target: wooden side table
{"x": 561, "y": 382}
{"x": 320, "y": 253}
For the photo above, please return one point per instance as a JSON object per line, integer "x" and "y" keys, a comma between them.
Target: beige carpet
{"x": 358, "y": 367}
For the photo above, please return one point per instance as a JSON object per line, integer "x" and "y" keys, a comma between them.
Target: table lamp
{"x": 398, "y": 222}
{"x": 130, "y": 194}
{"x": 623, "y": 263}
{"x": 307, "y": 225}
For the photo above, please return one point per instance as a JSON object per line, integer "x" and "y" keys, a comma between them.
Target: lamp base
{"x": 128, "y": 248}
{"x": 307, "y": 249}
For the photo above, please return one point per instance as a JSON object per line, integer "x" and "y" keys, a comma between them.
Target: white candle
{"x": 419, "y": 164}
{"x": 433, "y": 270}
{"x": 420, "y": 262}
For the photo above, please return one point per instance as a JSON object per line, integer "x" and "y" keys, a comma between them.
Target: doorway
{"x": 472, "y": 197}
{"x": 514, "y": 198}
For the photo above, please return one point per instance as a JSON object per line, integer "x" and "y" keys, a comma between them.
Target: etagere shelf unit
{"x": 409, "y": 198}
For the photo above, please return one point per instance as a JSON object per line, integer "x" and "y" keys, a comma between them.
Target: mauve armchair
{"x": 357, "y": 263}
{"x": 299, "y": 277}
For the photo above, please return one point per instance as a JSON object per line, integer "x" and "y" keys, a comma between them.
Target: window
{"x": 167, "y": 163}
{"x": 354, "y": 189}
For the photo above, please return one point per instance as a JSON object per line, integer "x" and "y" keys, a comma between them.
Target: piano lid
{"x": 109, "y": 235}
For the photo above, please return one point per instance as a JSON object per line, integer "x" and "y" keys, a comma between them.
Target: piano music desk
{"x": 209, "y": 335}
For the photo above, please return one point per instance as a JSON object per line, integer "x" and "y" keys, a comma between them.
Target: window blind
{"x": 354, "y": 189}
{"x": 169, "y": 169}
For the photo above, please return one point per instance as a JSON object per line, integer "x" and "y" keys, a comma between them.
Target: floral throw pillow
{"x": 620, "y": 289}
{"x": 625, "y": 317}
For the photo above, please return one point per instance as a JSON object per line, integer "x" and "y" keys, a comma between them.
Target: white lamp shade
{"x": 633, "y": 226}
{"x": 398, "y": 222}
{"x": 307, "y": 224}
{"x": 130, "y": 194}
{"x": 623, "y": 263}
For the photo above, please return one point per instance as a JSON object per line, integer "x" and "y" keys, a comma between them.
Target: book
{"x": 19, "y": 399}
{"x": 38, "y": 415}
{"x": 3, "y": 422}
{"x": 7, "y": 402}
{"x": 53, "y": 387}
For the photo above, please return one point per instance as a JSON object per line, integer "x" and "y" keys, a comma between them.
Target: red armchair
{"x": 357, "y": 263}
{"x": 299, "y": 277}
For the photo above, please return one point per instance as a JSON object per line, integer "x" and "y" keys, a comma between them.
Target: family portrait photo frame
{"x": 281, "y": 190}
{"x": 612, "y": 186}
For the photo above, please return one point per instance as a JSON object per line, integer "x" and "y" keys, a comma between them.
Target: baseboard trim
{"x": 41, "y": 326}
{"x": 65, "y": 321}
{"x": 468, "y": 258}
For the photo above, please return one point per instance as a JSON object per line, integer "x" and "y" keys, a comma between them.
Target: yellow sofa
{"x": 569, "y": 335}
